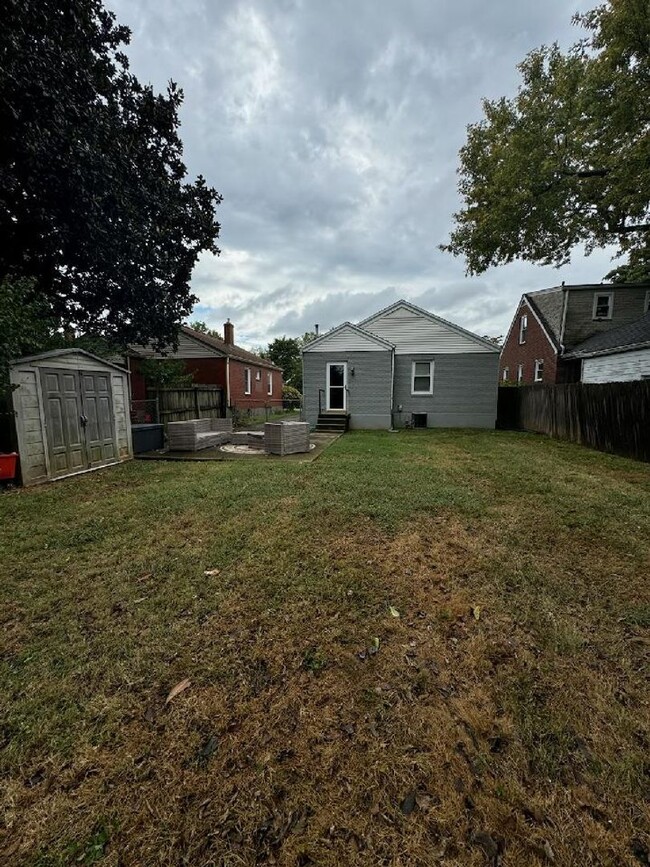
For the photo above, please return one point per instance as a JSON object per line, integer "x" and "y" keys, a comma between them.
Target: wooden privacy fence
{"x": 613, "y": 417}
{"x": 192, "y": 401}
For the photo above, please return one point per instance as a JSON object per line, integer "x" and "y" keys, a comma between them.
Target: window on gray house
{"x": 603, "y": 305}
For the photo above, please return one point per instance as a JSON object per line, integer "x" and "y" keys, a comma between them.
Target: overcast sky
{"x": 332, "y": 129}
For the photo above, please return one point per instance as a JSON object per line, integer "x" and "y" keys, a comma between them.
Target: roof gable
{"x": 413, "y": 330}
{"x": 70, "y": 352}
{"x": 195, "y": 344}
{"x": 348, "y": 338}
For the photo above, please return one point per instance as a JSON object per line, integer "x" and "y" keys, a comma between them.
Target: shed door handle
{"x": 84, "y": 420}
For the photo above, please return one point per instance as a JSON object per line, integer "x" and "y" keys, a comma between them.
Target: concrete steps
{"x": 332, "y": 422}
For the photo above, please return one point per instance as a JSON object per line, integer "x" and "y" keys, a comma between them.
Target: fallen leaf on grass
{"x": 374, "y": 647}
{"x": 394, "y": 612}
{"x": 176, "y": 690}
{"x": 476, "y": 611}
{"x": 210, "y": 572}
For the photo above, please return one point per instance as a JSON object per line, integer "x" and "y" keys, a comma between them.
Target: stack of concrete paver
{"x": 286, "y": 438}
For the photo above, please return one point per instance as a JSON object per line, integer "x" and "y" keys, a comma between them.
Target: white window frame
{"x": 539, "y": 362}
{"x": 610, "y": 307}
{"x": 248, "y": 381}
{"x": 646, "y": 303}
{"x": 505, "y": 374}
{"x": 258, "y": 375}
{"x": 523, "y": 328}
{"x": 269, "y": 383}
{"x": 415, "y": 393}
{"x": 520, "y": 372}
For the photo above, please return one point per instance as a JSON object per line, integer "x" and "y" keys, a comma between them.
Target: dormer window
{"x": 603, "y": 305}
{"x": 523, "y": 328}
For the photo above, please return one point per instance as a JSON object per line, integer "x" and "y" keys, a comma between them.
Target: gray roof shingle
{"x": 635, "y": 333}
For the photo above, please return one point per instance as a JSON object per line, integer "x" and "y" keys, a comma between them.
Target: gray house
{"x": 401, "y": 367}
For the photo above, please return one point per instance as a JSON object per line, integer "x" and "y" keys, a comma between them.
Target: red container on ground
{"x": 8, "y": 465}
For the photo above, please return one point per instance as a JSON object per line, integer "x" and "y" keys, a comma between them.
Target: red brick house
{"x": 550, "y": 324}
{"x": 249, "y": 382}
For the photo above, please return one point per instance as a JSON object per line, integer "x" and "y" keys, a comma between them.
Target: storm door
{"x": 337, "y": 376}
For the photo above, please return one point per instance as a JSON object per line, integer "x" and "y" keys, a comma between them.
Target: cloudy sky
{"x": 332, "y": 129}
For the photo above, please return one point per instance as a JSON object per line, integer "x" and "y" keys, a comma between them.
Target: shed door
{"x": 63, "y": 414}
{"x": 80, "y": 429}
{"x": 97, "y": 408}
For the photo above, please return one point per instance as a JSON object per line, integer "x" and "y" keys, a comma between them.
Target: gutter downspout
{"x": 227, "y": 382}
{"x": 392, "y": 386}
{"x": 563, "y": 325}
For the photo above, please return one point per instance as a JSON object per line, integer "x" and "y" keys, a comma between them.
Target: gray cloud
{"x": 332, "y": 130}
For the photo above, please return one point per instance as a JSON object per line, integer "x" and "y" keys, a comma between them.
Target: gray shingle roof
{"x": 231, "y": 349}
{"x": 635, "y": 333}
{"x": 548, "y": 304}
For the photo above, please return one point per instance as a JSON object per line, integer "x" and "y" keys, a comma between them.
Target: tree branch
{"x": 586, "y": 173}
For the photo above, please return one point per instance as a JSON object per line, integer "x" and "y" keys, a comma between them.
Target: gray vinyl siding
{"x": 628, "y": 305}
{"x": 464, "y": 390}
{"x": 369, "y": 389}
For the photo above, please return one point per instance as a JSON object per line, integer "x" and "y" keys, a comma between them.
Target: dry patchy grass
{"x": 501, "y": 718}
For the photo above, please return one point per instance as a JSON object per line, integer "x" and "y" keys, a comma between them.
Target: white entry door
{"x": 337, "y": 380}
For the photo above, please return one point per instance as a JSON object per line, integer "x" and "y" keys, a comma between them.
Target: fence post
{"x": 197, "y": 404}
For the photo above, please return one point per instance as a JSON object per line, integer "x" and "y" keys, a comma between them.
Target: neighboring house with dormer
{"x": 249, "y": 382}
{"x": 402, "y": 366}
{"x": 550, "y": 324}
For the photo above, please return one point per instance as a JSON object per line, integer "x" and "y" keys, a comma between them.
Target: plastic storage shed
{"x": 72, "y": 414}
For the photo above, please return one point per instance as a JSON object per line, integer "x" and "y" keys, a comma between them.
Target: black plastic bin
{"x": 147, "y": 437}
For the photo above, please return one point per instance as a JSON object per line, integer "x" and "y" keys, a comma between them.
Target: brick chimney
{"x": 229, "y": 333}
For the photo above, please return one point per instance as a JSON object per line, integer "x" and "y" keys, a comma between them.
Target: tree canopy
{"x": 95, "y": 208}
{"x": 567, "y": 160}
{"x": 285, "y": 352}
{"x": 202, "y": 328}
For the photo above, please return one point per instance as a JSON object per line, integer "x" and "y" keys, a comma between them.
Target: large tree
{"x": 96, "y": 211}
{"x": 567, "y": 160}
{"x": 285, "y": 352}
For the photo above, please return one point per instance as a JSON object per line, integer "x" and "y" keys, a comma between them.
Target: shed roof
{"x": 57, "y": 353}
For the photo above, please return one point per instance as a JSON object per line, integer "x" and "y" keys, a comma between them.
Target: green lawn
{"x": 505, "y": 710}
